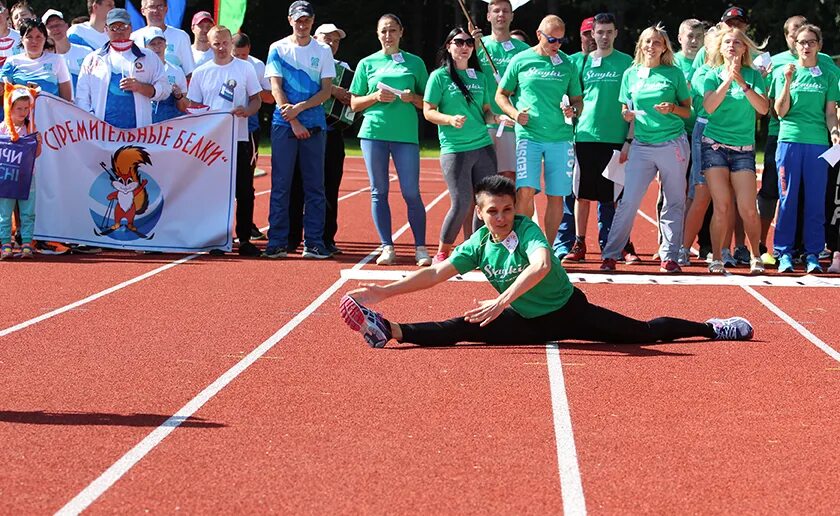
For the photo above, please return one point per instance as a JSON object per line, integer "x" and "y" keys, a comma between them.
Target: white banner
{"x": 166, "y": 187}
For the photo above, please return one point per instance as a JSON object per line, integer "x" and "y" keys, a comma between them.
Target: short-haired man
{"x": 230, "y": 84}
{"x": 301, "y": 72}
{"x": 202, "y": 22}
{"x": 73, "y": 55}
{"x": 119, "y": 81}
{"x": 547, "y": 88}
{"x": 601, "y": 130}
{"x": 178, "y": 51}
{"x": 9, "y": 37}
{"x": 92, "y": 33}
{"x": 501, "y": 47}
{"x": 176, "y": 103}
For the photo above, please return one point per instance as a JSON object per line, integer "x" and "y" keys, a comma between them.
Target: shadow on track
{"x": 40, "y": 417}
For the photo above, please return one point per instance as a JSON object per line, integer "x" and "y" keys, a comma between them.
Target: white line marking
{"x": 733, "y": 280}
{"x": 391, "y": 179}
{"x": 571, "y": 487}
{"x": 111, "y": 290}
{"x": 95, "y": 489}
{"x": 828, "y": 350}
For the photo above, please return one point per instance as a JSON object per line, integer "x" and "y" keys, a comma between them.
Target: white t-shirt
{"x": 9, "y": 45}
{"x": 224, "y": 87}
{"x": 259, "y": 68}
{"x": 201, "y": 56}
{"x": 85, "y": 35}
{"x": 47, "y": 71}
{"x": 178, "y": 49}
{"x": 74, "y": 59}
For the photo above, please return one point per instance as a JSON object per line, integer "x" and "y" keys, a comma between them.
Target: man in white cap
{"x": 202, "y": 22}
{"x": 176, "y": 103}
{"x": 73, "y": 55}
{"x": 119, "y": 81}
{"x": 178, "y": 51}
{"x": 92, "y": 33}
{"x": 9, "y": 37}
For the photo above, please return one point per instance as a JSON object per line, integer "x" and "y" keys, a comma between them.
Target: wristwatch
{"x": 746, "y": 88}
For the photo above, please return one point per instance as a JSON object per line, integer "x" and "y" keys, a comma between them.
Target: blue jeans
{"x": 27, "y": 217}
{"x": 565, "y": 238}
{"x": 285, "y": 150}
{"x": 407, "y": 162}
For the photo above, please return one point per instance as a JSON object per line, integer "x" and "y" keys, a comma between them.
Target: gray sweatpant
{"x": 462, "y": 170}
{"x": 671, "y": 160}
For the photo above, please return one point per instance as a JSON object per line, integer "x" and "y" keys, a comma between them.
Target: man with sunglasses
{"x": 501, "y": 47}
{"x": 119, "y": 81}
{"x": 546, "y": 89}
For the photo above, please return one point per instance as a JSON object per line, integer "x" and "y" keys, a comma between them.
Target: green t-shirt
{"x": 392, "y": 121}
{"x": 786, "y": 57}
{"x": 643, "y": 88}
{"x": 687, "y": 66}
{"x": 700, "y": 58}
{"x": 697, "y": 85}
{"x": 733, "y": 122}
{"x": 501, "y": 267}
{"x": 578, "y": 58}
{"x": 805, "y": 121}
{"x": 501, "y": 53}
{"x": 442, "y": 92}
{"x": 601, "y": 120}
{"x": 539, "y": 83}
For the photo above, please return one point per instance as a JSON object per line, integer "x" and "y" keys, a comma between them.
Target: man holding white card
{"x": 539, "y": 78}
{"x": 600, "y": 131}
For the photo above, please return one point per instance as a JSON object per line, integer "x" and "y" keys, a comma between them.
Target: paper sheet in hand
{"x": 832, "y": 155}
{"x": 384, "y": 87}
{"x": 762, "y": 61}
{"x": 501, "y": 129}
{"x": 615, "y": 170}
{"x": 565, "y": 104}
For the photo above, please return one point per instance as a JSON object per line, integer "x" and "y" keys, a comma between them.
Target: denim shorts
{"x": 723, "y": 157}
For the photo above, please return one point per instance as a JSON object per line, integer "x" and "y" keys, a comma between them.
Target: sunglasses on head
{"x": 552, "y": 40}
{"x": 460, "y": 42}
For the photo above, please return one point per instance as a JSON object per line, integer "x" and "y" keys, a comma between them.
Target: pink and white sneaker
{"x": 374, "y": 328}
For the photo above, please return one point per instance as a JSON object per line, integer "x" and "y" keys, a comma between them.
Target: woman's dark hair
{"x": 33, "y": 24}
{"x": 390, "y": 16}
{"x": 495, "y": 185}
{"x": 444, "y": 59}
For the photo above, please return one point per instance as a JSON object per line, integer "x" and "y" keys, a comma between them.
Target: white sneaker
{"x": 421, "y": 255}
{"x": 388, "y": 256}
{"x": 727, "y": 259}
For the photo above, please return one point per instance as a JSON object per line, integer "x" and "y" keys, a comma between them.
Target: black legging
{"x": 577, "y": 320}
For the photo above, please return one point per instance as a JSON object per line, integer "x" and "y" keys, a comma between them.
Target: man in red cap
{"x": 734, "y": 17}
{"x": 202, "y": 22}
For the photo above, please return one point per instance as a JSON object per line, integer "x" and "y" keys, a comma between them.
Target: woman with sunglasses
{"x": 733, "y": 93}
{"x": 389, "y": 130}
{"x": 655, "y": 100}
{"x": 457, "y": 100}
{"x": 35, "y": 65}
{"x": 805, "y": 98}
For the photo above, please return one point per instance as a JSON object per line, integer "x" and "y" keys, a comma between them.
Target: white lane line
{"x": 828, "y": 350}
{"x": 391, "y": 179}
{"x": 571, "y": 486}
{"x": 732, "y": 280}
{"x": 111, "y": 290}
{"x": 95, "y": 489}
{"x": 94, "y": 297}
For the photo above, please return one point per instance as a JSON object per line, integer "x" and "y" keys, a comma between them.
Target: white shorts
{"x": 505, "y": 150}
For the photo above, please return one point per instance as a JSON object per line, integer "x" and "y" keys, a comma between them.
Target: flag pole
{"x": 479, "y": 42}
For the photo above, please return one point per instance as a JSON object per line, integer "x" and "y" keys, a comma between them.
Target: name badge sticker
{"x": 226, "y": 91}
{"x": 556, "y": 60}
{"x": 511, "y": 242}
{"x": 644, "y": 72}
{"x": 507, "y": 45}
{"x": 398, "y": 57}
{"x": 596, "y": 62}
{"x": 471, "y": 73}
{"x": 815, "y": 71}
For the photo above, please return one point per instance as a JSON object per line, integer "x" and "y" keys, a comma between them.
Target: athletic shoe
{"x": 812, "y": 264}
{"x": 717, "y": 267}
{"x": 249, "y": 249}
{"x": 834, "y": 268}
{"x": 256, "y": 234}
{"x": 275, "y": 253}
{"x": 333, "y": 249}
{"x": 26, "y": 251}
{"x": 768, "y": 259}
{"x": 292, "y": 248}
{"x": 577, "y": 254}
{"x": 608, "y": 265}
{"x": 741, "y": 255}
{"x": 756, "y": 266}
{"x": 421, "y": 256}
{"x": 388, "y": 256}
{"x": 728, "y": 260}
{"x": 315, "y": 253}
{"x": 669, "y": 266}
{"x": 630, "y": 257}
{"x": 734, "y": 328}
{"x": 825, "y": 254}
{"x": 51, "y": 248}
{"x": 710, "y": 257}
{"x": 785, "y": 263}
{"x": 762, "y": 247}
{"x": 374, "y": 328}
{"x": 683, "y": 257}
{"x": 216, "y": 252}
{"x": 440, "y": 257}
{"x": 6, "y": 251}
{"x": 85, "y": 249}
{"x": 704, "y": 254}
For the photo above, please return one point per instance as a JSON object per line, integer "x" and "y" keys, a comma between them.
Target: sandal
{"x": 716, "y": 267}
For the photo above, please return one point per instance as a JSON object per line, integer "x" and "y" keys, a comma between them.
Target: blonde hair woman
{"x": 733, "y": 93}
{"x": 655, "y": 99}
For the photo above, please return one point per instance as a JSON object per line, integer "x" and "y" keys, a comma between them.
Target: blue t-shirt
{"x": 119, "y": 108}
